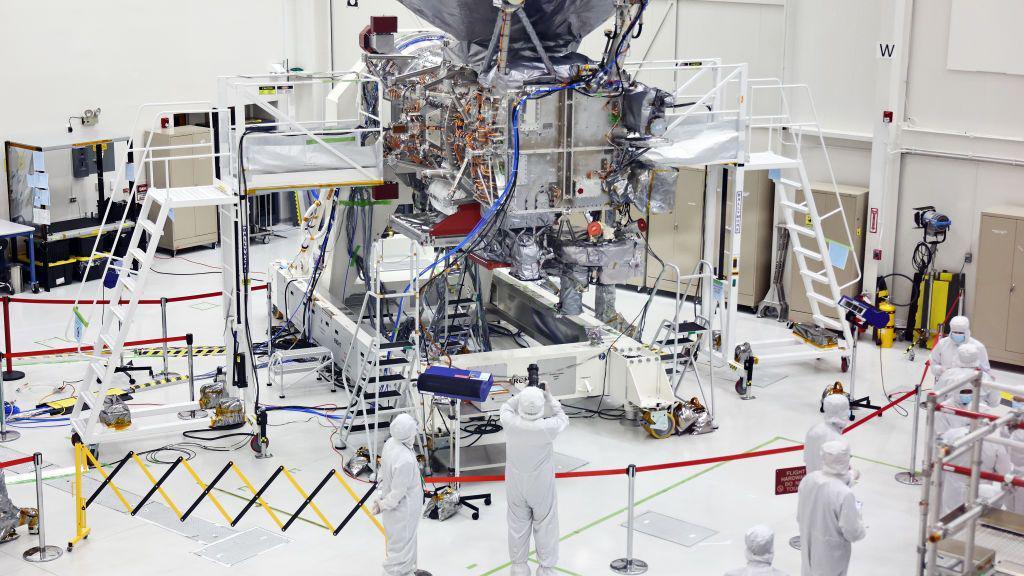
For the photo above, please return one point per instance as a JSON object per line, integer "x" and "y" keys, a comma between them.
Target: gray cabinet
{"x": 855, "y": 205}
{"x": 185, "y": 227}
{"x": 998, "y": 318}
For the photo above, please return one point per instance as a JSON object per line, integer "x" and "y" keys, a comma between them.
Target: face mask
{"x": 958, "y": 338}
{"x": 965, "y": 399}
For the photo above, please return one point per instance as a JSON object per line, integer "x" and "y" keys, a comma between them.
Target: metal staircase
{"x": 125, "y": 299}
{"x": 379, "y": 382}
{"x": 811, "y": 251}
{"x": 132, "y": 271}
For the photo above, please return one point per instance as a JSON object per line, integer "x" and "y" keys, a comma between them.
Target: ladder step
{"x": 395, "y": 345}
{"x": 815, "y": 276}
{"x": 822, "y": 299}
{"x": 119, "y": 312}
{"x": 675, "y": 356}
{"x": 801, "y": 230}
{"x": 456, "y": 316}
{"x": 384, "y": 394}
{"x": 808, "y": 253}
{"x": 675, "y": 341}
{"x": 383, "y": 410}
{"x": 802, "y": 208}
{"x": 689, "y": 327}
{"x": 137, "y": 254}
{"x": 148, "y": 226}
{"x": 382, "y": 315}
{"x": 98, "y": 368}
{"x": 828, "y": 322}
{"x": 790, "y": 183}
{"x": 461, "y": 301}
{"x": 108, "y": 341}
{"x": 396, "y": 361}
{"x": 368, "y": 425}
{"x": 127, "y": 283}
{"x": 386, "y": 378}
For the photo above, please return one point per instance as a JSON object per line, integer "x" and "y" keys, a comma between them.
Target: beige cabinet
{"x": 998, "y": 318}
{"x": 677, "y": 236}
{"x": 185, "y": 227}
{"x": 855, "y": 205}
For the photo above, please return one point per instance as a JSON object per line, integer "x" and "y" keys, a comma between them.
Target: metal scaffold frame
{"x": 941, "y": 459}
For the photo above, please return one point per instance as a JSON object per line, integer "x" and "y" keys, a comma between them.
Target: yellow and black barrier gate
{"x": 84, "y": 459}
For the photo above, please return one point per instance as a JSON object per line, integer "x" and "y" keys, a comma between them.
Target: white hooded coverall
{"x": 400, "y": 497}
{"x": 828, "y": 516}
{"x": 994, "y": 458}
{"x": 836, "y": 417}
{"x": 760, "y": 552}
{"x": 943, "y": 356}
{"x": 530, "y": 478}
{"x": 965, "y": 365}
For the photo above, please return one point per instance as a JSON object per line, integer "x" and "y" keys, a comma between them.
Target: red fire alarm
{"x": 887, "y": 116}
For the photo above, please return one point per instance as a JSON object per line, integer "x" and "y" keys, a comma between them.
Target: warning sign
{"x": 787, "y": 480}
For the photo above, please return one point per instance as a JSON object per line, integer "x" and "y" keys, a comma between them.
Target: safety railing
{"x": 84, "y": 460}
{"x": 9, "y": 355}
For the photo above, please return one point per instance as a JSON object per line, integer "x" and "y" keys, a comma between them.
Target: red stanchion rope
{"x": 668, "y": 465}
{"x": 25, "y": 460}
{"x": 148, "y": 301}
{"x": 58, "y": 351}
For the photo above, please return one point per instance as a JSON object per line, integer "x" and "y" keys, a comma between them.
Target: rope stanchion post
{"x": 630, "y": 565}
{"x": 5, "y": 434}
{"x": 163, "y": 324}
{"x": 9, "y": 372}
{"x": 910, "y": 476}
{"x": 42, "y": 552}
{"x": 194, "y": 413}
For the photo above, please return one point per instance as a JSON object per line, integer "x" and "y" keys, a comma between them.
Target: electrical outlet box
{"x": 877, "y": 254}
{"x": 968, "y": 258}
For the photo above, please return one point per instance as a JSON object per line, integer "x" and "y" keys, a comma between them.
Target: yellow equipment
{"x": 884, "y": 337}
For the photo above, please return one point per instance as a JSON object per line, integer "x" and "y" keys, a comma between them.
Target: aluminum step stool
{"x": 315, "y": 360}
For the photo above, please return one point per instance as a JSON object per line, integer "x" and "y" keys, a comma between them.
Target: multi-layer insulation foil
{"x": 560, "y": 25}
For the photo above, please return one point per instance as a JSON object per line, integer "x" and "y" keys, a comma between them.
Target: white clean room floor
{"x": 726, "y": 498}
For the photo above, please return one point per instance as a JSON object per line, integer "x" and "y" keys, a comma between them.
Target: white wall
{"x": 62, "y": 56}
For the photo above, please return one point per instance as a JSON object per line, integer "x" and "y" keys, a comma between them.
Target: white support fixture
{"x": 316, "y": 361}
{"x": 132, "y": 275}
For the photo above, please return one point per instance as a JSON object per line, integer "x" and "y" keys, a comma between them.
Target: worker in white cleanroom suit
{"x": 967, "y": 362}
{"x": 836, "y": 417}
{"x": 828, "y": 515}
{"x": 760, "y": 552}
{"x": 943, "y": 356}
{"x": 530, "y": 478}
{"x": 994, "y": 458}
{"x": 399, "y": 498}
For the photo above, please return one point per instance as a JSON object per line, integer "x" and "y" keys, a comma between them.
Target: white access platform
{"x": 215, "y": 194}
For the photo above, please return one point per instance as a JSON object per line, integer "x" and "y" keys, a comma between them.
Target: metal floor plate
{"x": 242, "y": 546}
{"x": 672, "y": 530}
{"x": 196, "y": 528}
{"x": 566, "y": 463}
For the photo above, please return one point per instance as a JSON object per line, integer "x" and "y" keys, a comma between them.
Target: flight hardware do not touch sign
{"x": 787, "y": 480}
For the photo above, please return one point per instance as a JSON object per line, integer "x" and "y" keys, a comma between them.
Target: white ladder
{"x": 811, "y": 251}
{"x": 113, "y": 333}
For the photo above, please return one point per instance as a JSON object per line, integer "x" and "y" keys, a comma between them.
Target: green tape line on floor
{"x": 661, "y": 492}
{"x": 879, "y": 462}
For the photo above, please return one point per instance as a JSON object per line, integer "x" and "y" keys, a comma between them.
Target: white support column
{"x": 892, "y": 54}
